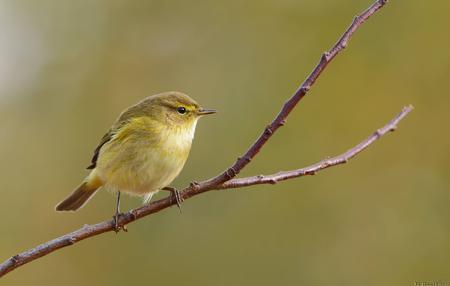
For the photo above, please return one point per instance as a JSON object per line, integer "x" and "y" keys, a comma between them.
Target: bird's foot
{"x": 116, "y": 217}
{"x": 175, "y": 195}
{"x": 117, "y": 226}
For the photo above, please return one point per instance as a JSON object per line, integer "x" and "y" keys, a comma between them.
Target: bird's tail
{"x": 78, "y": 198}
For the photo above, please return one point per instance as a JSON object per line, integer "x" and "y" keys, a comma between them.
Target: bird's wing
{"x": 123, "y": 119}
{"x": 106, "y": 138}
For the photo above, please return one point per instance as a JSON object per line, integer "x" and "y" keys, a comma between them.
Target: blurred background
{"x": 68, "y": 68}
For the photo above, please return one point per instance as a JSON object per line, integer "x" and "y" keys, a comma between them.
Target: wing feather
{"x": 125, "y": 116}
{"x": 105, "y": 139}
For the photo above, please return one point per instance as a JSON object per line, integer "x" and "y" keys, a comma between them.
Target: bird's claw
{"x": 175, "y": 195}
{"x": 117, "y": 226}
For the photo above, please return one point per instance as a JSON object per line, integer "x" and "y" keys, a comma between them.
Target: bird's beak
{"x": 206, "y": 111}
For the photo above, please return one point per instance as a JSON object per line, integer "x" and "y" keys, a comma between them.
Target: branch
{"x": 313, "y": 169}
{"x": 226, "y": 179}
{"x": 280, "y": 119}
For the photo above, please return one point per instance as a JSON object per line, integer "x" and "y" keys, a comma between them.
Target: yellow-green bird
{"x": 144, "y": 150}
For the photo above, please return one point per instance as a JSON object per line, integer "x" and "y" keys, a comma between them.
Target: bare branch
{"x": 313, "y": 169}
{"x": 226, "y": 179}
{"x": 280, "y": 120}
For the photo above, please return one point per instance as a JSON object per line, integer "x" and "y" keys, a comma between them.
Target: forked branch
{"x": 227, "y": 180}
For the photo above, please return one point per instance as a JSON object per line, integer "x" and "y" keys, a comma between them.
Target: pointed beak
{"x": 206, "y": 111}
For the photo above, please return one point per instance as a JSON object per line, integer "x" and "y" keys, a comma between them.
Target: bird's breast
{"x": 146, "y": 164}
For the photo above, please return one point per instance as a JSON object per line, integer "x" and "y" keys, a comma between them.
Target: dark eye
{"x": 181, "y": 110}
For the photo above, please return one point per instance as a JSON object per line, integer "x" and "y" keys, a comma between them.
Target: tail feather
{"x": 77, "y": 198}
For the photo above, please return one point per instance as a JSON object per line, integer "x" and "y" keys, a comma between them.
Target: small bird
{"x": 143, "y": 152}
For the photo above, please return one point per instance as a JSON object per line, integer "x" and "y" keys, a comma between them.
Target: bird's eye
{"x": 181, "y": 110}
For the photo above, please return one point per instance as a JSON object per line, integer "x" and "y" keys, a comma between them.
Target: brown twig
{"x": 280, "y": 120}
{"x": 226, "y": 179}
{"x": 313, "y": 169}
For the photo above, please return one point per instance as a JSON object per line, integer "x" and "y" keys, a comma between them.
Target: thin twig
{"x": 313, "y": 169}
{"x": 280, "y": 120}
{"x": 225, "y": 180}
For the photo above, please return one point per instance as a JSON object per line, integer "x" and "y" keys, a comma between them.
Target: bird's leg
{"x": 175, "y": 194}
{"x": 117, "y": 228}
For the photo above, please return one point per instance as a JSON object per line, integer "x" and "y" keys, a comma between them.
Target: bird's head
{"x": 173, "y": 109}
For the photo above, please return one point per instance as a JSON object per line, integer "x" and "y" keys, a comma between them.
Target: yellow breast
{"x": 144, "y": 156}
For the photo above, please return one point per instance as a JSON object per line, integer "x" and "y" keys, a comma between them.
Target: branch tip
{"x": 408, "y": 108}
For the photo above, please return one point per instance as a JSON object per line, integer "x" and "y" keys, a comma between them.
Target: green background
{"x": 67, "y": 68}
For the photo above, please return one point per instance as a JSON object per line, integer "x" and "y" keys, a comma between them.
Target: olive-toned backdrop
{"x": 67, "y": 68}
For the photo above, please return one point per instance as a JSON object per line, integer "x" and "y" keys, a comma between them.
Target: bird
{"x": 143, "y": 152}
